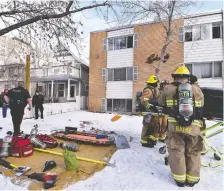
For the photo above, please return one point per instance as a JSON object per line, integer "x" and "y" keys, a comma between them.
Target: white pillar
{"x": 80, "y": 100}
{"x": 68, "y": 93}
{"x": 79, "y": 88}
{"x": 52, "y": 88}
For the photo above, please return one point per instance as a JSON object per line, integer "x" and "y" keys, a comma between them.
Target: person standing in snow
{"x": 18, "y": 98}
{"x": 184, "y": 140}
{"x": 150, "y": 130}
{"x": 4, "y": 103}
{"x": 38, "y": 101}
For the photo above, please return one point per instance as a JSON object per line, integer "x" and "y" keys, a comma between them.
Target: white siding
{"x": 204, "y": 19}
{"x": 122, "y": 32}
{"x": 203, "y": 51}
{"x": 119, "y": 89}
{"x": 120, "y": 58}
{"x": 209, "y": 82}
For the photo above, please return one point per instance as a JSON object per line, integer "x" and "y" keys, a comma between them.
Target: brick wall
{"x": 150, "y": 41}
{"x": 98, "y": 60}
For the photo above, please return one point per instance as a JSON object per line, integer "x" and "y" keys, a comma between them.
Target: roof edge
{"x": 217, "y": 11}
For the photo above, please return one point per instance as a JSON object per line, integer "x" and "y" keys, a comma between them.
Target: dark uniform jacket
{"x": 38, "y": 100}
{"x": 18, "y": 98}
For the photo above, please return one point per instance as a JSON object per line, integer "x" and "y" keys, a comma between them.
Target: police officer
{"x": 149, "y": 97}
{"x": 184, "y": 142}
{"x": 18, "y": 98}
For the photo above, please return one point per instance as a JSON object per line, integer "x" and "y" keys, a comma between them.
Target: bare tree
{"x": 45, "y": 19}
{"x": 163, "y": 12}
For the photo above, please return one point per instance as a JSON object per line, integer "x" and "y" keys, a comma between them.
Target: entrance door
{"x": 72, "y": 91}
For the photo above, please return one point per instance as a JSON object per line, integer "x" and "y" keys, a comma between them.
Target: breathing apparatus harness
{"x": 184, "y": 110}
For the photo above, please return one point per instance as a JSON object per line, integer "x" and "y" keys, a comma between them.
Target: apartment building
{"x": 118, "y": 58}
{"x": 203, "y": 47}
{"x": 118, "y": 63}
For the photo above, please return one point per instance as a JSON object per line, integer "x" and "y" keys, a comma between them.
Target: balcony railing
{"x": 55, "y": 71}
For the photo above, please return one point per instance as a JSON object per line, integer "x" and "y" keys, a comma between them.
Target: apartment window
{"x": 189, "y": 66}
{"x": 56, "y": 71}
{"x": 120, "y": 74}
{"x": 109, "y": 105}
{"x": 188, "y": 33}
{"x": 118, "y": 43}
{"x": 130, "y": 42}
{"x": 205, "y": 34}
{"x": 181, "y": 34}
{"x": 61, "y": 90}
{"x": 110, "y": 44}
{"x": 196, "y": 30}
{"x": 217, "y": 69}
{"x": 86, "y": 87}
{"x": 119, "y": 105}
{"x": 206, "y": 70}
{"x": 216, "y": 30}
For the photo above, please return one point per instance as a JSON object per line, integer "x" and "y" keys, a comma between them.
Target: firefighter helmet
{"x": 181, "y": 71}
{"x": 152, "y": 79}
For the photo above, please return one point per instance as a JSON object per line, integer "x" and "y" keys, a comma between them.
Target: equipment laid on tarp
{"x": 70, "y": 160}
{"x": 20, "y": 170}
{"x": 84, "y": 137}
{"x": 48, "y": 179}
{"x": 79, "y": 158}
{"x": 49, "y": 165}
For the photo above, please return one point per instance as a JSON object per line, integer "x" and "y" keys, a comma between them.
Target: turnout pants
{"x": 37, "y": 108}
{"x": 155, "y": 130}
{"x": 184, "y": 156}
{"x": 17, "y": 117}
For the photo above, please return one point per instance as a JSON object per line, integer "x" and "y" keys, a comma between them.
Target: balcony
{"x": 55, "y": 72}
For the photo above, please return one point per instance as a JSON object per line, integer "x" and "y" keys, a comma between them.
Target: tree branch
{"x": 43, "y": 17}
{"x": 69, "y": 5}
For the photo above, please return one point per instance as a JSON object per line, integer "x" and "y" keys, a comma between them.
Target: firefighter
{"x": 194, "y": 80}
{"x": 18, "y": 98}
{"x": 184, "y": 141}
{"x": 150, "y": 130}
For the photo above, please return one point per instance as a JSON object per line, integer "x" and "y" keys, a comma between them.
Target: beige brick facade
{"x": 98, "y": 60}
{"x": 150, "y": 40}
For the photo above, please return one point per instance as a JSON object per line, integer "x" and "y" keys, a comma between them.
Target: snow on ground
{"x": 137, "y": 168}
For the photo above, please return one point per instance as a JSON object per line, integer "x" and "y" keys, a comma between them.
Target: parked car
{"x": 213, "y": 107}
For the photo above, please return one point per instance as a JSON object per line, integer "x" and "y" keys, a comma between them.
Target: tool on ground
{"x": 48, "y": 179}
{"x": 70, "y": 146}
{"x": 70, "y": 160}
{"x": 49, "y": 165}
{"x": 5, "y": 146}
{"x": 20, "y": 170}
{"x": 70, "y": 130}
{"x": 79, "y": 158}
{"x": 35, "y": 141}
{"x": 21, "y": 147}
{"x": 49, "y": 141}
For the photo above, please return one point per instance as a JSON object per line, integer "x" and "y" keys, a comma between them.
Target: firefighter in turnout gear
{"x": 183, "y": 103}
{"x": 150, "y": 130}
